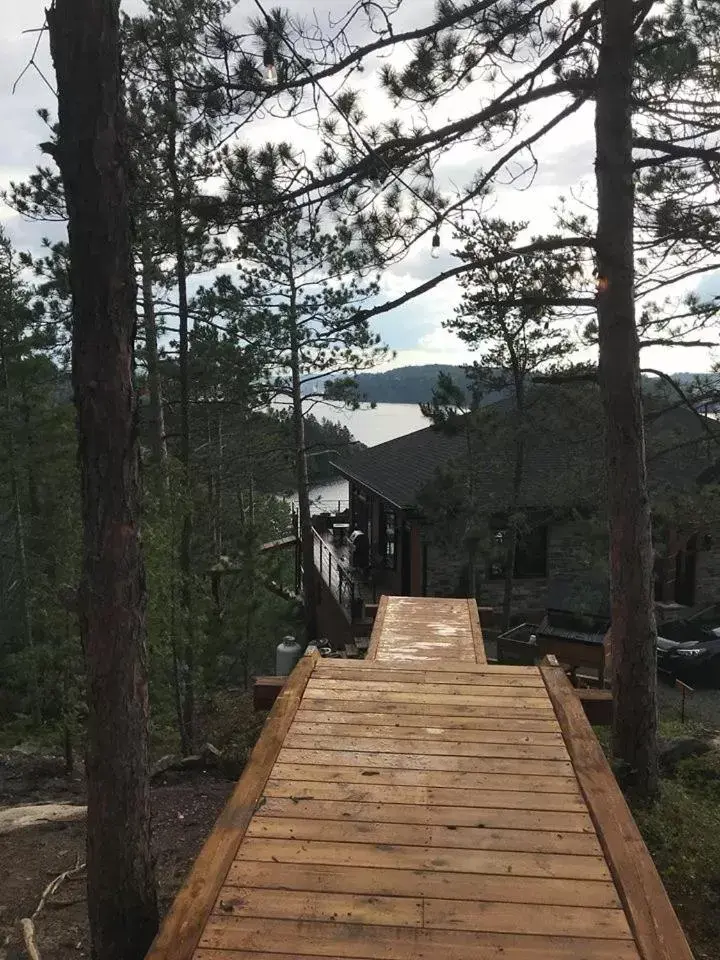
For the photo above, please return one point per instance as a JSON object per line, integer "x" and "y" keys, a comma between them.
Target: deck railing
{"x": 336, "y": 575}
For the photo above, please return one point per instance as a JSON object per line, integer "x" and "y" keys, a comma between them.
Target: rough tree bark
{"x": 92, "y": 155}
{"x": 21, "y": 546}
{"x": 303, "y": 485}
{"x": 187, "y": 731}
{"x": 515, "y": 491}
{"x": 157, "y": 410}
{"x": 633, "y": 616}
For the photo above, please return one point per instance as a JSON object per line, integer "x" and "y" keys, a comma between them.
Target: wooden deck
{"x": 421, "y": 628}
{"x": 405, "y": 809}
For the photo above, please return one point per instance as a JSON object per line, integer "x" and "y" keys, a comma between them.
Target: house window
{"x": 388, "y": 534}
{"x": 530, "y": 554}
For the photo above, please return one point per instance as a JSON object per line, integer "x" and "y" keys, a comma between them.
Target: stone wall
{"x": 573, "y": 550}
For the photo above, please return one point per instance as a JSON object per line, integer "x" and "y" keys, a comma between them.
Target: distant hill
{"x": 415, "y": 384}
{"x": 407, "y": 384}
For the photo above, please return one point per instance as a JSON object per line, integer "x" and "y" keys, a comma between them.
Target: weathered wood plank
{"x": 380, "y": 685}
{"x": 250, "y": 901}
{"x": 476, "y": 631}
{"x": 515, "y": 704}
{"x": 179, "y": 934}
{"x": 369, "y": 792}
{"x": 411, "y": 761}
{"x": 407, "y": 857}
{"x": 358, "y": 715}
{"x": 429, "y": 734}
{"x": 326, "y": 939}
{"x": 324, "y": 740}
{"x": 442, "y": 666}
{"x": 656, "y": 928}
{"x": 425, "y": 778}
{"x": 480, "y": 711}
{"x": 498, "y": 817}
{"x": 441, "y": 914}
{"x": 423, "y": 883}
{"x": 421, "y": 835}
{"x": 377, "y": 630}
{"x": 506, "y": 918}
{"x": 358, "y": 670}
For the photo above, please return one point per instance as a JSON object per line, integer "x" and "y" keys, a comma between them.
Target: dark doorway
{"x": 405, "y": 562}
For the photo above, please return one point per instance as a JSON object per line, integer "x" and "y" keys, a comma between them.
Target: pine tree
{"x": 502, "y": 314}
{"x": 301, "y": 284}
{"x": 93, "y": 160}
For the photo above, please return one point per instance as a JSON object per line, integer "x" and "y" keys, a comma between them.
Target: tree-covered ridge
{"x": 407, "y": 384}
{"x": 415, "y": 384}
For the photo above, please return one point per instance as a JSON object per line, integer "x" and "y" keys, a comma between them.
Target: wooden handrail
{"x": 656, "y": 928}
{"x": 183, "y": 925}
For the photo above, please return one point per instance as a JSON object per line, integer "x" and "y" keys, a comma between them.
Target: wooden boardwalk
{"x": 421, "y": 628}
{"x": 431, "y": 809}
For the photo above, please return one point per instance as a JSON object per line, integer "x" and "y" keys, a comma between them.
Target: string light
{"x": 271, "y": 74}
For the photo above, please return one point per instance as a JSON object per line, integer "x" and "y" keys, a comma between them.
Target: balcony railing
{"x": 336, "y": 575}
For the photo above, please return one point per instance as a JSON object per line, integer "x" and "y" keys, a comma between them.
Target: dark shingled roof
{"x": 562, "y": 464}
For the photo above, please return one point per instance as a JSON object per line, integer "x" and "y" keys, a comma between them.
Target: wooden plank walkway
{"x": 424, "y": 810}
{"x": 423, "y": 628}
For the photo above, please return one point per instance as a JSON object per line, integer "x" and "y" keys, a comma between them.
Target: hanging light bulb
{"x": 435, "y": 250}
{"x": 271, "y": 74}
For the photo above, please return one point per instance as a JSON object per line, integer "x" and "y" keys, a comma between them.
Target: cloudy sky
{"x": 415, "y": 331}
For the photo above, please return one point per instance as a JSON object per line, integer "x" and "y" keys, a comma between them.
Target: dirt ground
{"x": 185, "y": 806}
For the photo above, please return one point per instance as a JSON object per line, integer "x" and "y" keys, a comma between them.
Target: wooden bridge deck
{"x": 438, "y": 810}
{"x": 421, "y": 628}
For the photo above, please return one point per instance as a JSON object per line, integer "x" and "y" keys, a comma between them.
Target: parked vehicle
{"x": 689, "y": 648}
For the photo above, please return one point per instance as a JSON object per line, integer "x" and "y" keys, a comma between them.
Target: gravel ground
{"x": 702, "y": 706}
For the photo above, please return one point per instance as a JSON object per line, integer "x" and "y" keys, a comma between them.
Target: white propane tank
{"x": 287, "y": 654}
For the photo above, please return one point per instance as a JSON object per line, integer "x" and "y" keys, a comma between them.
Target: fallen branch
{"x": 27, "y": 924}
{"x": 17, "y": 818}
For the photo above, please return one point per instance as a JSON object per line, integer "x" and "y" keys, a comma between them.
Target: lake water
{"x": 371, "y": 427}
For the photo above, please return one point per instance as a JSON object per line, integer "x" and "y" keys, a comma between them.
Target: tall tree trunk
{"x": 21, "y": 547}
{"x": 514, "y": 505}
{"x": 303, "y": 486}
{"x": 157, "y": 411}
{"x": 92, "y": 155}
{"x": 633, "y": 616}
{"x": 471, "y": 540}
{"x": 188, "y": 625}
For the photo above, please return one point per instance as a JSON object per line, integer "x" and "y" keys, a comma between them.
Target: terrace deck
{"x": 412, "y": 808}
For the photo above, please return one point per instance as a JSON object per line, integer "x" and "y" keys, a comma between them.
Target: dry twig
{"x": 27, "y": 924}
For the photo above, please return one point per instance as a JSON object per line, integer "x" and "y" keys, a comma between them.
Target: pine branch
{"x": 671, "y": 151}
{"x": 539, "y": 246}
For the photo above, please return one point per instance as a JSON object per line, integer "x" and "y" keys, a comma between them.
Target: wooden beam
{"x": 598, "y": 706}
{"x": 477, "y": 634}
{"x": 266, "y": 690}
{"x": 377, "y": 629}
{"x": 183, "y": 925}
{"x": 656, "y": 928}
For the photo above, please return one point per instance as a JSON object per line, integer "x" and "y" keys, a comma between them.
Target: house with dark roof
{"x": 406, "y": 496}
